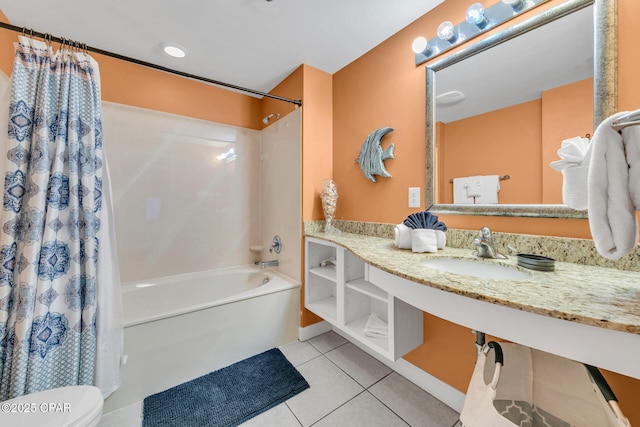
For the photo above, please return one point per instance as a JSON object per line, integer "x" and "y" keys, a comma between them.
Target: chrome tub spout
{"x": 265, "y": 264}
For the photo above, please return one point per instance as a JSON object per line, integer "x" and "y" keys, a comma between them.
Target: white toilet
{"x": 74, "y": 406}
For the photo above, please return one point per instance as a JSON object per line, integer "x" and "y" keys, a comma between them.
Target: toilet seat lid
{"x": 71, "y": 406}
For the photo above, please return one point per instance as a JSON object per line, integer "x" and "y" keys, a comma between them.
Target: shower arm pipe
{"x": 31, "y": 33}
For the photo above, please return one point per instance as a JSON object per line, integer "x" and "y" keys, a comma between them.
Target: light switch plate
{"x": 414, "y": 197}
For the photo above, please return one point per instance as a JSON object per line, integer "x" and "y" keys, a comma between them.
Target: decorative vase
{"x": 329, "y": 198}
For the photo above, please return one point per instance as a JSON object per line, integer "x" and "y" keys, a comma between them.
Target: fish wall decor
{"x": 371, "y": 155}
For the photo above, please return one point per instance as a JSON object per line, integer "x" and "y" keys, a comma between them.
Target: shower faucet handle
{"x": 276, "y": 245}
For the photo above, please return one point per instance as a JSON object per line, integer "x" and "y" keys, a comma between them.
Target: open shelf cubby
{"x": 340, "y": 292}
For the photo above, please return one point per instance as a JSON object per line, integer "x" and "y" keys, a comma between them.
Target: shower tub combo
{"x": 178, "y": 328}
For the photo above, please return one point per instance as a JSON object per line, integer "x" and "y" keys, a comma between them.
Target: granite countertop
{"x": 597, "y": 296}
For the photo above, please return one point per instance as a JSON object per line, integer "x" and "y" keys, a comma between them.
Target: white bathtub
{"x": 181, "y": 327}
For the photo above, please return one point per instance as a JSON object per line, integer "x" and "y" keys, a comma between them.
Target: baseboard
{"x": 442, "y": 391}
{"x": 314, "y": 330}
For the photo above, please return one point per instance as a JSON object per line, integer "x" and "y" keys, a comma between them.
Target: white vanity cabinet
{"x": 338, "y": 289}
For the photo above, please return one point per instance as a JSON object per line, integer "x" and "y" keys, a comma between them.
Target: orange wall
{"x": 386, "y": 88}
{"x": 525, "y": 137}
{"x": 139, "y": 86}
{"x": 382, "y": 88}
{"x": 317, "y": 152}
{"x": 567, "y": 112}
{"x": 500, "y": 142}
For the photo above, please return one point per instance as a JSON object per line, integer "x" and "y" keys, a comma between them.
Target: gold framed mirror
{"x": 604, "y": 100}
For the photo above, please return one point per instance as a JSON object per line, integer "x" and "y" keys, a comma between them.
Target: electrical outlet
{"x": 414, "y": 197}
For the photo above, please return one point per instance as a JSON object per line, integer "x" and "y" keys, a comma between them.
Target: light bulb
{"x": 475, "y": 15}
{"x": 446, "y": 31}
{"x": 516, "y": 5}
{"x": 420, "y": 45}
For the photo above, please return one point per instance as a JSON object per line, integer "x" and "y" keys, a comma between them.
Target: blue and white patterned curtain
{"x": 50, "y": 221}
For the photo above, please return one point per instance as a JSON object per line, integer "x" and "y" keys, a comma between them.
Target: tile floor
{"x": 348, "y": 388}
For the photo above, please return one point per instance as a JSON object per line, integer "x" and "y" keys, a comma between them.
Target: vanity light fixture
{"x": 476, "y": 16}
{"x": 420, "y": 45}
{"x": 516, "y": 5}
{"x": 478, "y": 20}
{"x": 446, "y": 31}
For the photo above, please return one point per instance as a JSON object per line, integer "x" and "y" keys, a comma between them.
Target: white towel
{"x": 424, "y": 240}
{"x": 376, "y": 327}
{"x": 612, "y": 217}
{"x": 572, "y": 152}
{"x": 441, "y": 238}
{"x": 474, "y": 186}
{"x": 403, "y": 236}
{"x": 631, "y": 140}
{"x": 574, "y": 186}
{"x": 575, "y": 154}
{"x": 460, "y": 196}
{"x": 489, "y": 187}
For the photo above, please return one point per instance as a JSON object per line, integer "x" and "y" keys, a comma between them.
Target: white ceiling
{"x": 249, "y": 43}
{"x": 520, "y": 69}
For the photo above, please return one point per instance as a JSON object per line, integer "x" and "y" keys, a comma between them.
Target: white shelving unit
{"x": 321, "y": 291}
{"x": 342, "y": 294}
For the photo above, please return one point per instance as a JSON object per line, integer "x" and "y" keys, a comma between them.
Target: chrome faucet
{"x": 485, "y": 248}
{"x": 265, "y": 264}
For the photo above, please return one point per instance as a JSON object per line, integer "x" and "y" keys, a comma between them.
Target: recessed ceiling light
{"x": 450, "y": 98}
{"x": 174, "y": 50}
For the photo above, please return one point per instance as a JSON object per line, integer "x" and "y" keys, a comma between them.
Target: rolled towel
{"x": 441, "y": 238}
{"x": 403, "y": 236}
{"x": 574, "y": 186}
{"x": 612, "y": 217}
{"x": 424, "y": 240}
{"x": 424, "y": 220}
{"x": 572, "y": 152}
{"x": 576, "y": 155}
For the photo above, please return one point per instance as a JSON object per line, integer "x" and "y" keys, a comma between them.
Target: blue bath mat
{"x": 229, "y": 396}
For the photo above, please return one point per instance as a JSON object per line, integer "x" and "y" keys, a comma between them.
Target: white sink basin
{"x": 476, "y": 268}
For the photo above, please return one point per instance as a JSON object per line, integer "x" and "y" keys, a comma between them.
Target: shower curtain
{"x": 60, "y": 306}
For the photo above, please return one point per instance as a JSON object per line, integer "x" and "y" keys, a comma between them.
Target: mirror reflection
{"x": 502, "y": 107}
{"x": 506, "y": 111}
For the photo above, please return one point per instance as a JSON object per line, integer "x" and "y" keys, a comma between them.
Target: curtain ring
{"x": 31, "y": 33}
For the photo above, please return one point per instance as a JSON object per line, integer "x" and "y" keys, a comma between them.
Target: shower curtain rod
{"x": 30, "y": 33}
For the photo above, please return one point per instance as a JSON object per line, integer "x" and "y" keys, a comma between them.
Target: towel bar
{"x": 502, "y": 178}
{"x": 630, "y": 119}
